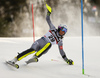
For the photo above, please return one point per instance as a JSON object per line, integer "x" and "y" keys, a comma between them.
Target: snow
{"x": 48, "y": 68}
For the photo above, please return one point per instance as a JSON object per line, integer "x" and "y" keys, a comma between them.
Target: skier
{"x": 42, "y": 45}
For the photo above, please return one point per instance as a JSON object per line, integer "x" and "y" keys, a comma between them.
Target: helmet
{"x": 62, "y": 28}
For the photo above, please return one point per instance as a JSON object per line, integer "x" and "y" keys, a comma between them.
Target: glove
{"x": 48, "y": 13}
{"x": 70, "y": 62}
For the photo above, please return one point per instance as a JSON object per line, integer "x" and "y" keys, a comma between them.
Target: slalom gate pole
{"x": 33, "y": 23}
{"x": 82, "y": 37}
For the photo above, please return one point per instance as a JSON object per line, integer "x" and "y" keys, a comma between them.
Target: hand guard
{"x": 70, "y": 62}
{"x": 49, "y": 8}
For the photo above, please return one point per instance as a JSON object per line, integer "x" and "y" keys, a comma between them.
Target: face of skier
{"x": 61, "y": 32}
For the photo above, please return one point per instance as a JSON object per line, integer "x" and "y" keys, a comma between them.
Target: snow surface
{"x": 46, "y": 68}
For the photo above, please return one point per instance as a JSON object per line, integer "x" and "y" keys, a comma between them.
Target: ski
{"x": 12, "y": 64}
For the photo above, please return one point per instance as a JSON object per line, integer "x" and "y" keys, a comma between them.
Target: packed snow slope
{"x": 48, "y": 68}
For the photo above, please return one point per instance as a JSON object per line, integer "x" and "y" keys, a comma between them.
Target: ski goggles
{"x": 63, "y": 29}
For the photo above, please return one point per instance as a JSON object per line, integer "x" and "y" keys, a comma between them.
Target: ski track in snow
{"x": 48, "y": 68}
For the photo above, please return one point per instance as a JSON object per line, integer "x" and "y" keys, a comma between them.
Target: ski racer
{"x": 42, "y": 45}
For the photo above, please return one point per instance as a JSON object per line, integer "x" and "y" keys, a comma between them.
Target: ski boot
{"x": 33, "y": 59}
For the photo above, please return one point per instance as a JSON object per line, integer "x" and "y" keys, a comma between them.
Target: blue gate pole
{"x": 82, "y": 37}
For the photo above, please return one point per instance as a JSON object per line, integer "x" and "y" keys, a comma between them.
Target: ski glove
{"x": 48, "y": 13}
{"x": 70, "y": 62}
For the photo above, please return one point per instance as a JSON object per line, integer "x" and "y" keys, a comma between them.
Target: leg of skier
{"x": 22, "y": 55}
{"x": 40, "y": 46}
{"x": 26, "y": 52}
{"x": 39, "y": 53}
{"x": 43, "y": 48}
